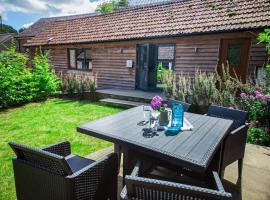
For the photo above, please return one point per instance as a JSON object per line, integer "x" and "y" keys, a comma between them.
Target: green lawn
{"x": 40, "y": 124}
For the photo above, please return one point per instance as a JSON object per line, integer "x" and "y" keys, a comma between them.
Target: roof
{"x": 144, "y": 2}
{"x": 6, "y": 37}
{"x": 174, "y": 18}
{"x": 43, "y": 23}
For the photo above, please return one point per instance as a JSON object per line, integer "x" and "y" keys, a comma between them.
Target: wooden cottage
{"x": 123, "y": 48}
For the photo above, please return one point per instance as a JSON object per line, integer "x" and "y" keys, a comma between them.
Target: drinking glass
{"x": 146, "y": 113}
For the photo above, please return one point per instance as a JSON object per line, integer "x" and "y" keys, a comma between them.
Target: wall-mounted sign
{"x": 129, "y": 63}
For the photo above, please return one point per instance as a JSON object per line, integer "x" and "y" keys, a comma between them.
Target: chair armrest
{"x": 234, "y": 145}
{"x": 218, "y": 182}
{"x": 61, "y": 148}
{"x": 239, "y": 130}
{"x": 136, "y": 169}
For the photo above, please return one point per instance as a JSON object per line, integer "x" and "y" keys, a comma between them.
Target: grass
{"x": 40, "y": 124}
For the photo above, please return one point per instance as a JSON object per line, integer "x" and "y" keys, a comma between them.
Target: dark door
{"x": 146, "y": 66}
{"x": 234, "y": 52}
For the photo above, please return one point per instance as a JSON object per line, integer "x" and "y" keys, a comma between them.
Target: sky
{"x": 22, "y": 13}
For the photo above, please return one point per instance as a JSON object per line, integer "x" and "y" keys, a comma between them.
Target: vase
{"x": 163, "y": 118}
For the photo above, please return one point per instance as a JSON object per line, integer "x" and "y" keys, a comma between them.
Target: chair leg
{"x": 222, "y": 172}
{"x": 240, "y": 168}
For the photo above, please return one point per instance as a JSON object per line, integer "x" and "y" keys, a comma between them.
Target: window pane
{"x": 166, "y": 52}
{"x": 88, "y": 54}
{"x": 72, "y": 60}
{"x": 234, "y": 55}
{"x": 79, "y": 64}
{"x": 80, "y": 54}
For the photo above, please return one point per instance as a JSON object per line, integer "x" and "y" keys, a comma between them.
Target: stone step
{"x": 128, "y": 95}
{"x": 121, "y": 103}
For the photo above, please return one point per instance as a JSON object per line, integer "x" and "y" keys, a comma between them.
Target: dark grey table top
{"x": 192, "y": 149}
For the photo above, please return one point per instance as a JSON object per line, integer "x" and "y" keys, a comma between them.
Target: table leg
{"x": 128, "y": 158}
{"x": 117, "y": 150}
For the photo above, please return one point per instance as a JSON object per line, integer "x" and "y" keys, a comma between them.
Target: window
{"x": 166, "y": 55}
{"x": 234, "y": 55}
{"x": 80, "y": 59}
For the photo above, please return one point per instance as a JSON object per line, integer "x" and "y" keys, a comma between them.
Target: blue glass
{"x": 177, "y": 119}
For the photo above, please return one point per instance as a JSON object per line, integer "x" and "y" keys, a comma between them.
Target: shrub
{"x": 228, "y": 87}
{"x": 79, "y": 85}
{"x": 167, "y": 81}
{"x": 181, "y": 87}
{"x": 204, "y": 91}
{"x": 45, "y": 81}
{"x": 257, "y": 106}
{"x": 258, "y": 136}
{"x": 19, "y": 84}
{"x": 16, "y": 84}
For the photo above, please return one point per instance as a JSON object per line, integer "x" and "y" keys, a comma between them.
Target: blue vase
{"x": 177, "y": 119}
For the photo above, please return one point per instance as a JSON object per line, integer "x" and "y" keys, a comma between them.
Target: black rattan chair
{"x": 235, "y": 142}
{"x": 141, "y": 188}
{"x": 53, "y": 173}
{"x": 186, "y": 106}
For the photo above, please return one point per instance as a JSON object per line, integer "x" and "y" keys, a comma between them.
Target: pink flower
{"x": 266, "y": 98}
{"x": 251, "y": 97}
{"x": 231, "y": 107}
{"x": 156, "y": 102}
{"x": 259, "y": 96}
{"x": 251, "y": 125}
{"x": 243, "y": 95}
{"x": 257, "y": 92}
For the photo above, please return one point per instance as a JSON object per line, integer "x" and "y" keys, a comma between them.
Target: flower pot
{"x": 163, "y": 118}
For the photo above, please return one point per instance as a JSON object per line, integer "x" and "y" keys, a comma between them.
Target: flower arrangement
{"x": 158, "y": 104}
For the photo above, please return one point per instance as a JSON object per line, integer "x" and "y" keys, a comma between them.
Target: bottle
{"x": 177, "y": 115}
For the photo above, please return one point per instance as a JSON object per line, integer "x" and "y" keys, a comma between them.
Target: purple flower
{"x": 259, "y": 96}
{"x": 251, "y": 97}
{"x": 243, "y": 95}
{"x": 257, "y": 92}
{"x": 266, "y": 98}
{"x": 156, "y": 103}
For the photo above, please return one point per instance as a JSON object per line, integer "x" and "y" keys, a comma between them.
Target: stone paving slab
{"x": 256, "y": 174}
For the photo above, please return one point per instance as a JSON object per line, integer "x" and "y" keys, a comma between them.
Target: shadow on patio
{"x": 256, "y": 174}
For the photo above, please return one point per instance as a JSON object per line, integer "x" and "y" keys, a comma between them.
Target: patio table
{"x": 189, "y": 149}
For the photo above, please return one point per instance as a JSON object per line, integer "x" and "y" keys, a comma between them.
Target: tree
{"x": 7, "y": 29}
{"x": 110, "y": 6}
{"x": 21, "y": 29}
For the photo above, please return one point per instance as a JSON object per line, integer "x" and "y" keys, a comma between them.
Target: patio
{"x": 256, "y": 173}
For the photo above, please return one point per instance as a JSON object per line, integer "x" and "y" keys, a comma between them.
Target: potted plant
{"x": 158, "y": 105}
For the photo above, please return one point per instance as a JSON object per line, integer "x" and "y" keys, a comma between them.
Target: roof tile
{"x": 168, "y": 19}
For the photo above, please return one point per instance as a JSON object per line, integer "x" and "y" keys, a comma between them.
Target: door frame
{"x": 245, "y": 59}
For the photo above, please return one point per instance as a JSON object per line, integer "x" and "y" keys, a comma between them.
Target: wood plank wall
{"x": 109, "y": 59}
{"x": 258, "y": 57}
{"x": 203, "y": 55}
{"x": 110, "y": 66}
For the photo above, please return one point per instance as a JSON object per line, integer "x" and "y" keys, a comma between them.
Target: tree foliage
{"x": 110, "y": 6}
{"x": 7, "y": 29}
{"x": 21, "y": 84}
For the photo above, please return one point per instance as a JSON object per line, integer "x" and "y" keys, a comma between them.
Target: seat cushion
{"x": 76, "y": 163}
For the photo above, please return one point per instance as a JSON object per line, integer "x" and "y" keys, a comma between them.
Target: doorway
{"x": 234, "y": 53}
{"x": 153, "y": 61}
{"x": 146, "y": 67}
